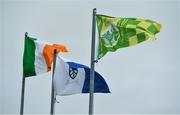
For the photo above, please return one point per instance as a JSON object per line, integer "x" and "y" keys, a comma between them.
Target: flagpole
{"x": 91, "y": 90}
{"x": 22, "y": 95}
{"x": 23, "y": 89}
{"x": 53, "y": 96}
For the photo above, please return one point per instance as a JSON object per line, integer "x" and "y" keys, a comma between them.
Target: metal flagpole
{"x": 91, "y": 90}
{"x": 23, "y": 89}
{"x": 53, "y": 96}
{"x": 22, "y": 95}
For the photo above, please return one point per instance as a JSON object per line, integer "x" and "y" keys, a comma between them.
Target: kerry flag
{"x": 73, "y": 78}
{"x": 115, "y": 33}
{"x": 38, "y": 56}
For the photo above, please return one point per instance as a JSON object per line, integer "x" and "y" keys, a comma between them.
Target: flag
{"x": 38, "y": 56}
{"x": 73, "y": 78}
{"x": 115, "y": 33}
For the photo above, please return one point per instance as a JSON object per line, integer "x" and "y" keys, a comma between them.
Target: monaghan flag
{"x": 73, "y": 78}
{"x": 38, "y": 56}
{"x": 115, "y": 33}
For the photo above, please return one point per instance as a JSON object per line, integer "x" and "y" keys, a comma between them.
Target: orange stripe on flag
{"x": 48, "y": 51}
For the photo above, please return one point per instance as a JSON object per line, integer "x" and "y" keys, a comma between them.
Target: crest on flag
{"x": 73, "y": 72}
{"x": 110, "y": 37}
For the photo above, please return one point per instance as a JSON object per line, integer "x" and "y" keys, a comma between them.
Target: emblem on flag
{"x": 73, "y": 72}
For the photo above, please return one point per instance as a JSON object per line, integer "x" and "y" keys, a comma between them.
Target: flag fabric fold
{"x": 38, "y": 56}
{"x": 73, "y": 78}
{"x": 115, "y": 33}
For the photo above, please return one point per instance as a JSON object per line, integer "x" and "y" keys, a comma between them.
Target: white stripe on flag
{"x": 40, "y": 63}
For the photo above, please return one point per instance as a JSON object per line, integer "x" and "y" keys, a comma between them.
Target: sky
{"x": 143, "y": 79}
{"x": 1, "y": 57}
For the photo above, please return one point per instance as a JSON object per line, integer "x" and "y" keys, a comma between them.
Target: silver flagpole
{"x": 23, "y": 89}
{"x": 91, "y": 90}
{"x": 53, "y": 96}
{"x": 22, "y": 95}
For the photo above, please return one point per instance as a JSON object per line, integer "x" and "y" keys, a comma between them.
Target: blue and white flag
{"x": 73, "y": 78}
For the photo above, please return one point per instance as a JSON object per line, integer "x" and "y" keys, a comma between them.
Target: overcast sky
{"x": 143, "y": 79}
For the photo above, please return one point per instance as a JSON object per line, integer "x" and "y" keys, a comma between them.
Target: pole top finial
{"x": 94, "y": 9}
{"x": 26, "y": 33}
{"x": 55, "y": 51}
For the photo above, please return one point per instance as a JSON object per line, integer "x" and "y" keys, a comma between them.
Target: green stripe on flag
{"x": 29, "y": 57}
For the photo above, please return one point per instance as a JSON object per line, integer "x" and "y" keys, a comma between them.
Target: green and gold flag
{"x": 115, "y": 33}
